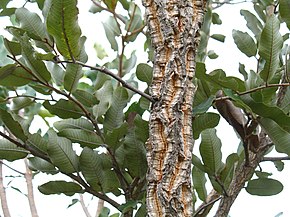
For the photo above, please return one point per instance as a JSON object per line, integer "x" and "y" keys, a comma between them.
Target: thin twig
{"x": 87, "y": 188}
{"x": 264, "y": 87}
{"x": 206, "y": 205}
{"x": 85, "y": 208}
{"x": 111, "y": 74}
{"x": 110, "y": 11}
{"x": 275, "y": 158}
{"x": 6, "y": 165}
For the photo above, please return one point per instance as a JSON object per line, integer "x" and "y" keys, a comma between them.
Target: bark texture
{"x": 174, "y": 29}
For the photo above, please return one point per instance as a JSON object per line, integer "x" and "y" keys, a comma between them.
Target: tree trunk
{"x": 174, "y": 28}
{"x": 30, "y": 195}
{"x": 3, "y": 198}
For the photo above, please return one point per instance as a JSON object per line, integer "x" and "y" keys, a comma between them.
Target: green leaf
{"x": 245, "y": 43}
{"x": 9, "y": 151}
{"x": 269, "y": 47}
{"x": 61, "y": 153}
{"x": 104, "y": 212}
{"x": 279, "y": 165}
{"x": 4, "y": 3}
{"x": 212, "y": 55}
{"x": 20, "y": 103}
{"x": 60, "y": 187}
{"x": 267, "y": 111}
{"x": 144, "y": 72}
{"x": 74, "y": 72}
{"x": 132, "y": 154}
{"x": 279, "y": 136}
{"x": 37, "y": 67}
{"x": 82, "y": 124}
{"x": 7, "y": 12}
{"x": 32, "y": 23}
{"x": 38, "y": 164}
{"x": 111, "y": 4}
{"x": 57, "y": 74}
{"x": 113, "y": 138}
{"x": 131, "y": 204}
{"x": 37, "y": 142}
{"x": 104, "y": 95}
{"x": 13, "y": 76}
{"x": 210, "y": 150}
{"x": 97, "y": 170}
{"x": 218, "y": 79}
{"x": 12, "y": 125}
{"x": 62, "y": 24}
{"x": 228, "y": 171}
{"x": 141, "y": 212}
{"x": 12, "y": 47}
{"x": 218, "y": 37}
{"x": 243, "y": 71}
{"x": 199, "y": 181}
{"x": 114, "y": 117}
{"x": 253, "y": 23}
{"x": 284, "y": 11}
{"x": 101, "y": 52}
{"x": 264, "y": 187}
{"x": 86, "y": 98}
{"x": 64, "y": 109}
{"x": 216, "y": 19}
{"x": 83, "y": 137}
{"x": 135, "y": 21}
{"x": 204, "y": 121}
{"x": 112, "y": 30}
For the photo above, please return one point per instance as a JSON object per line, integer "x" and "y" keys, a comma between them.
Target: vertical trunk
{"x": 3, "y": 198}
{"x": 174, "y": 27}
{"x": 30, "y": 195}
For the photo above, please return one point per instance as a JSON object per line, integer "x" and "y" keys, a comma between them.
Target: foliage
{"x": 98, "y": 139}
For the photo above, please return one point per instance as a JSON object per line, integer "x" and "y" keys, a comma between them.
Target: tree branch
{"x": 85, "y": 209}
{"x": 3, "y": 198}
{"x": 242, "y": 174}
{"x": 275, "y": 158}
{"x": 30, "y": 195}
{"x": 74, "y": 177}
{"x": 112, "y": 12}
{"x": 111, "y": 74}
{"x": 264, "y": 87}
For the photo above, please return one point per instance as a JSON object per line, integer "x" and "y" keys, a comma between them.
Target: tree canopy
{"x": 96, "y": 115}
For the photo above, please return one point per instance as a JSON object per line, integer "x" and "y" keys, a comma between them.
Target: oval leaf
{"x": 264, "y": 187}
{"x": 64, "y": 109}
{"x": 269, "y": 47}
{"x": 60, "y": 187}
{"x": 245, "y": 43}
{"x": 204, "y": 121}
{"x": 9, "y": 151}
{"x": 61, "y": 153}
{"x": 84, "y": 138}
{"x": 210, "y": 150}
{"x": 62, "y": 24}
{"x": 279, "y": 136}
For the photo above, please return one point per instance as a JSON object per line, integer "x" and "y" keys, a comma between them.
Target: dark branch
{"x": 275, "y": 158}
{"x": 111, "y": 74}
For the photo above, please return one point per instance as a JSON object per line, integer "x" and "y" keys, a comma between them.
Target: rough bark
{"x": 174, "y": 29}
{"x": 30, "y": 195}
{"x": 3, "y": 198}
{"x": 242, "y": 174}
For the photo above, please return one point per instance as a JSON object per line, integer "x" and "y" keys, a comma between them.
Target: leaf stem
{"x": 111, "y": 74}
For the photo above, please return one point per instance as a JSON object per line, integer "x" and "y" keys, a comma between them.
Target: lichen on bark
{"x": 174, "y": 29}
